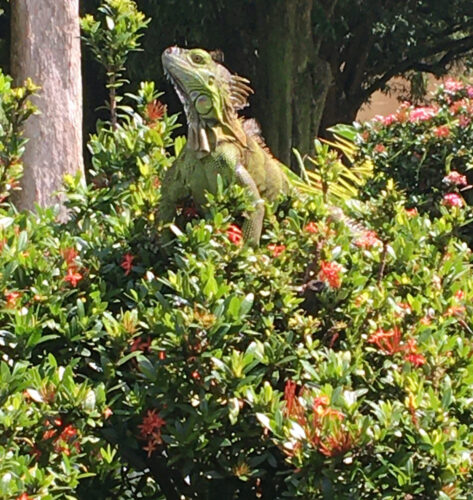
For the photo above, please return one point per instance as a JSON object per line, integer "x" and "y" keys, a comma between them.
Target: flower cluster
{"x": 418, "y": 148}
{"x": 330, "y": 273}
{"x": 323, "y": 425}
{"x": 150, "y": 431}
{"x": 390, "y": 342}
{"x": 73, "y": 276}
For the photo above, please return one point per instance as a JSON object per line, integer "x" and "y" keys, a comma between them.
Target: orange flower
{"x": 311, "y": 228}
{"x": 276, "y": 250}
{"x": 442, "y": 131}
{"x": 235, "y": 234}
{"x": 336, "y": 444}
{"x": 387, "y": 341}
{"x": 73, "y": 277}
{"x": 127, "y": 263}
{"x": 455, "y": 311}
{"x": 368, "y": 239}
{"x": 155, "y": 110}
{"x": 69, "y": 254}
{"x": 330, "y": 273}
{"x": 380, "y": 148}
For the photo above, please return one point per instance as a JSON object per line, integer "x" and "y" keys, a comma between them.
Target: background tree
{"x": 46, "y": 47}
{"x": 311, "y": 63}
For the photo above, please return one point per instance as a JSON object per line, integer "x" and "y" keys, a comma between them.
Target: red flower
{"x": 151, "y": 423}
{"x": 330, "y": 273}
{"x": 23, "y": 496}
{"x": 235, "y": 234}
{"x": 190, "y": 212}
{"x": 460, "y": 295}
{"x": 455, "y": 178}
{"x": 127, "y": 263}
{"x": 73, "y": 277}
{"x": 442, "y": 131}
{"x": 411, "y": 212}
{"x": 452, "y": 200}
{"x": 140, "y": 344}
{"x": 150, "y": 430}
{"x": 276, "y": 250}
{"x": 388, "y": 341}
{"x": 368, "y": 239}
{"x": 12, "y": 299}
{"x": 69, "y": 254}
{"x": 311, "y": 228}
{"x": 415, "y": 359}
{"x": 380, "y": 148}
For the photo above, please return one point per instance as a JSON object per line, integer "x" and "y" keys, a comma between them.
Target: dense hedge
{"x": 326, "y": 363}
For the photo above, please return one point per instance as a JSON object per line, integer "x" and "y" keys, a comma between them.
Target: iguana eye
{"x": 197, "y": 58}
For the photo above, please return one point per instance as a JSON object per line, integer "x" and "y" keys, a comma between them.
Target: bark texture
{"x": 46, "y": 47}
{"x": 292, "y": 81}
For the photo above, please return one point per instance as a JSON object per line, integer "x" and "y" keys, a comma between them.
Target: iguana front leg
{"x": 253, "y": 224}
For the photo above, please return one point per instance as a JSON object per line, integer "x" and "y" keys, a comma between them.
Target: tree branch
{"x": 454, "y": 48}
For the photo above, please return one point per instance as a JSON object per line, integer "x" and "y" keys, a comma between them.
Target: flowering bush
{"x": 427, "y": 150}
{"x": 323, "y": 364}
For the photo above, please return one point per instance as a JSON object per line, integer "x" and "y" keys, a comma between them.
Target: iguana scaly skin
{"x": 218, "y": 141}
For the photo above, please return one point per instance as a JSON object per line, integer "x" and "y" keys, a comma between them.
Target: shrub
{"x": 323, "y": 364}
{"x": 427, "y": 150}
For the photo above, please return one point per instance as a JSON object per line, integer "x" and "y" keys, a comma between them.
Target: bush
{"x": 426, "y": 150}
{"x": 323, "y": 364}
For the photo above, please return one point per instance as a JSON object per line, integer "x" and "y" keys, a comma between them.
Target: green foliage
{"x": 338, "y": 178}
{"x": 15, "y": 108}
{"x": 319, "y": 365}
{"x": 427, "y": 150}
{"x": 112, "y": 37}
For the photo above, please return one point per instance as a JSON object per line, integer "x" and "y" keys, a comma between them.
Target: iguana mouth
{"x": 178, "y": 87}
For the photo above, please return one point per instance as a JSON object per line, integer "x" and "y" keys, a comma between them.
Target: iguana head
{"x": 209, "y": 92}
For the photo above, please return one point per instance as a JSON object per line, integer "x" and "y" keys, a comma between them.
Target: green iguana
{"x": 218, "y": 141}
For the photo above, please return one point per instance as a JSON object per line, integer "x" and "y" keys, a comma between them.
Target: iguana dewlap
{"x": 218, "y": 141}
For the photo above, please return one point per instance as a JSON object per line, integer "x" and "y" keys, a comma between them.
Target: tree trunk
{"x": 292, "y": 81}
{"x": 46, "y": 47}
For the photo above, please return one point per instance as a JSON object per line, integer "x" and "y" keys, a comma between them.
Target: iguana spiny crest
{"x": 209, "y": 93}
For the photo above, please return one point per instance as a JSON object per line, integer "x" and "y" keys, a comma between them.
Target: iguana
{"x": 219, "y": 142}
